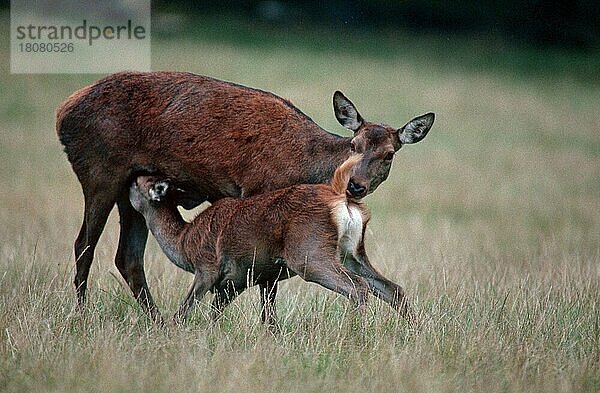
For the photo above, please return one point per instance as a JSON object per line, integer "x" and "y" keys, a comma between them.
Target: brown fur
{"x": 341, "y": 176}
{"x": 237, "y": 243}
{"x": 213, "y": 139}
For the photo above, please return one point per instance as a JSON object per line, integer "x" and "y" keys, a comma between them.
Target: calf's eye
{"x": 389, "y": 156}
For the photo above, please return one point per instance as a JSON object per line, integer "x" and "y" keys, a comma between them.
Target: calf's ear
{"x": 159, "y": 191}
{"x": 416, "y": 129}
{"x": 345, "y": 112}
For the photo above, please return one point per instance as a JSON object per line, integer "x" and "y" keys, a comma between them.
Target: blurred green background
{"x": 553, "y": 22}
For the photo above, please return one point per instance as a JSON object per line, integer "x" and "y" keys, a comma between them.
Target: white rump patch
{"x": 349, "y": 221}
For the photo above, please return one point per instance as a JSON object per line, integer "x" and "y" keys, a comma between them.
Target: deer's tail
{"x": 342, "y": 174}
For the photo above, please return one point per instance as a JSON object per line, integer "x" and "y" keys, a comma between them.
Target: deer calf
{"x": 313, "y": 231}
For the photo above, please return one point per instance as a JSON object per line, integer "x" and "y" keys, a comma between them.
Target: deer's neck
{"x": 327, "y": 154}
{"x": 168, "y": 229}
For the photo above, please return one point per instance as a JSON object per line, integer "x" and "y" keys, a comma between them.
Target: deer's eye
{"x": 389, "y": 156}
{"x": 352, "y": 147}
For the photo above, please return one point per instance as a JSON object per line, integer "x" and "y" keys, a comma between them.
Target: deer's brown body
{"x": 213, "y": 139}
{"x": 314, "y": 231}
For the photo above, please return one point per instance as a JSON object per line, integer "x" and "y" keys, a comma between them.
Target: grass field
{"x": 492, "y": 224}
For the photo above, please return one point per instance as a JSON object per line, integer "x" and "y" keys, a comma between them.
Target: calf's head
{"x": 376, "y": 142}
{"x": 146, "y": 191}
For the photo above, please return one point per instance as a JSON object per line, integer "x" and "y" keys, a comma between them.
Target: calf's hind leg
{"x": 224, "y": 295}
{"x": 130, "y": 256}
{"x": 268, "y": 293}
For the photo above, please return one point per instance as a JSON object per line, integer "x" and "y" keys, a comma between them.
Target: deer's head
{"x": 377, "y": 143}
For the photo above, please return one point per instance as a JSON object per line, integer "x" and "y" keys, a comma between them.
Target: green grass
{"x": 492, "y": 224}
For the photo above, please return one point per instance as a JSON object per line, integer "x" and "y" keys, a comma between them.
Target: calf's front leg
{"x": 203, "y": 281}
{"x": 386, "y": 290}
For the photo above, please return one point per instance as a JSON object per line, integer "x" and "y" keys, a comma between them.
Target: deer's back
{"x": 188, "y": 127}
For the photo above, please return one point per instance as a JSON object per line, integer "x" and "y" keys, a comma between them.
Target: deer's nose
{"x": 355, "y": 189}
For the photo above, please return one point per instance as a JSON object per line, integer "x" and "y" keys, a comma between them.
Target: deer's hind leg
{"x": 130, "y": 256}
{"x": 98, "y": 204}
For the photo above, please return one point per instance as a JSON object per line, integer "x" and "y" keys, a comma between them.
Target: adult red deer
{"x": 315, "y": 231}
{"x": 213, "y": 139}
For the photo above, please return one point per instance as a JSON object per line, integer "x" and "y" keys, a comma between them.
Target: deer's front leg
{"x": 388, "y": 291}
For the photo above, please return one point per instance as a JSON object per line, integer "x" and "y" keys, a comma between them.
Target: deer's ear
{"x": 416, "y": 129}
{"x": 346, "y": 112}
{"x": 158, "y": 191}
